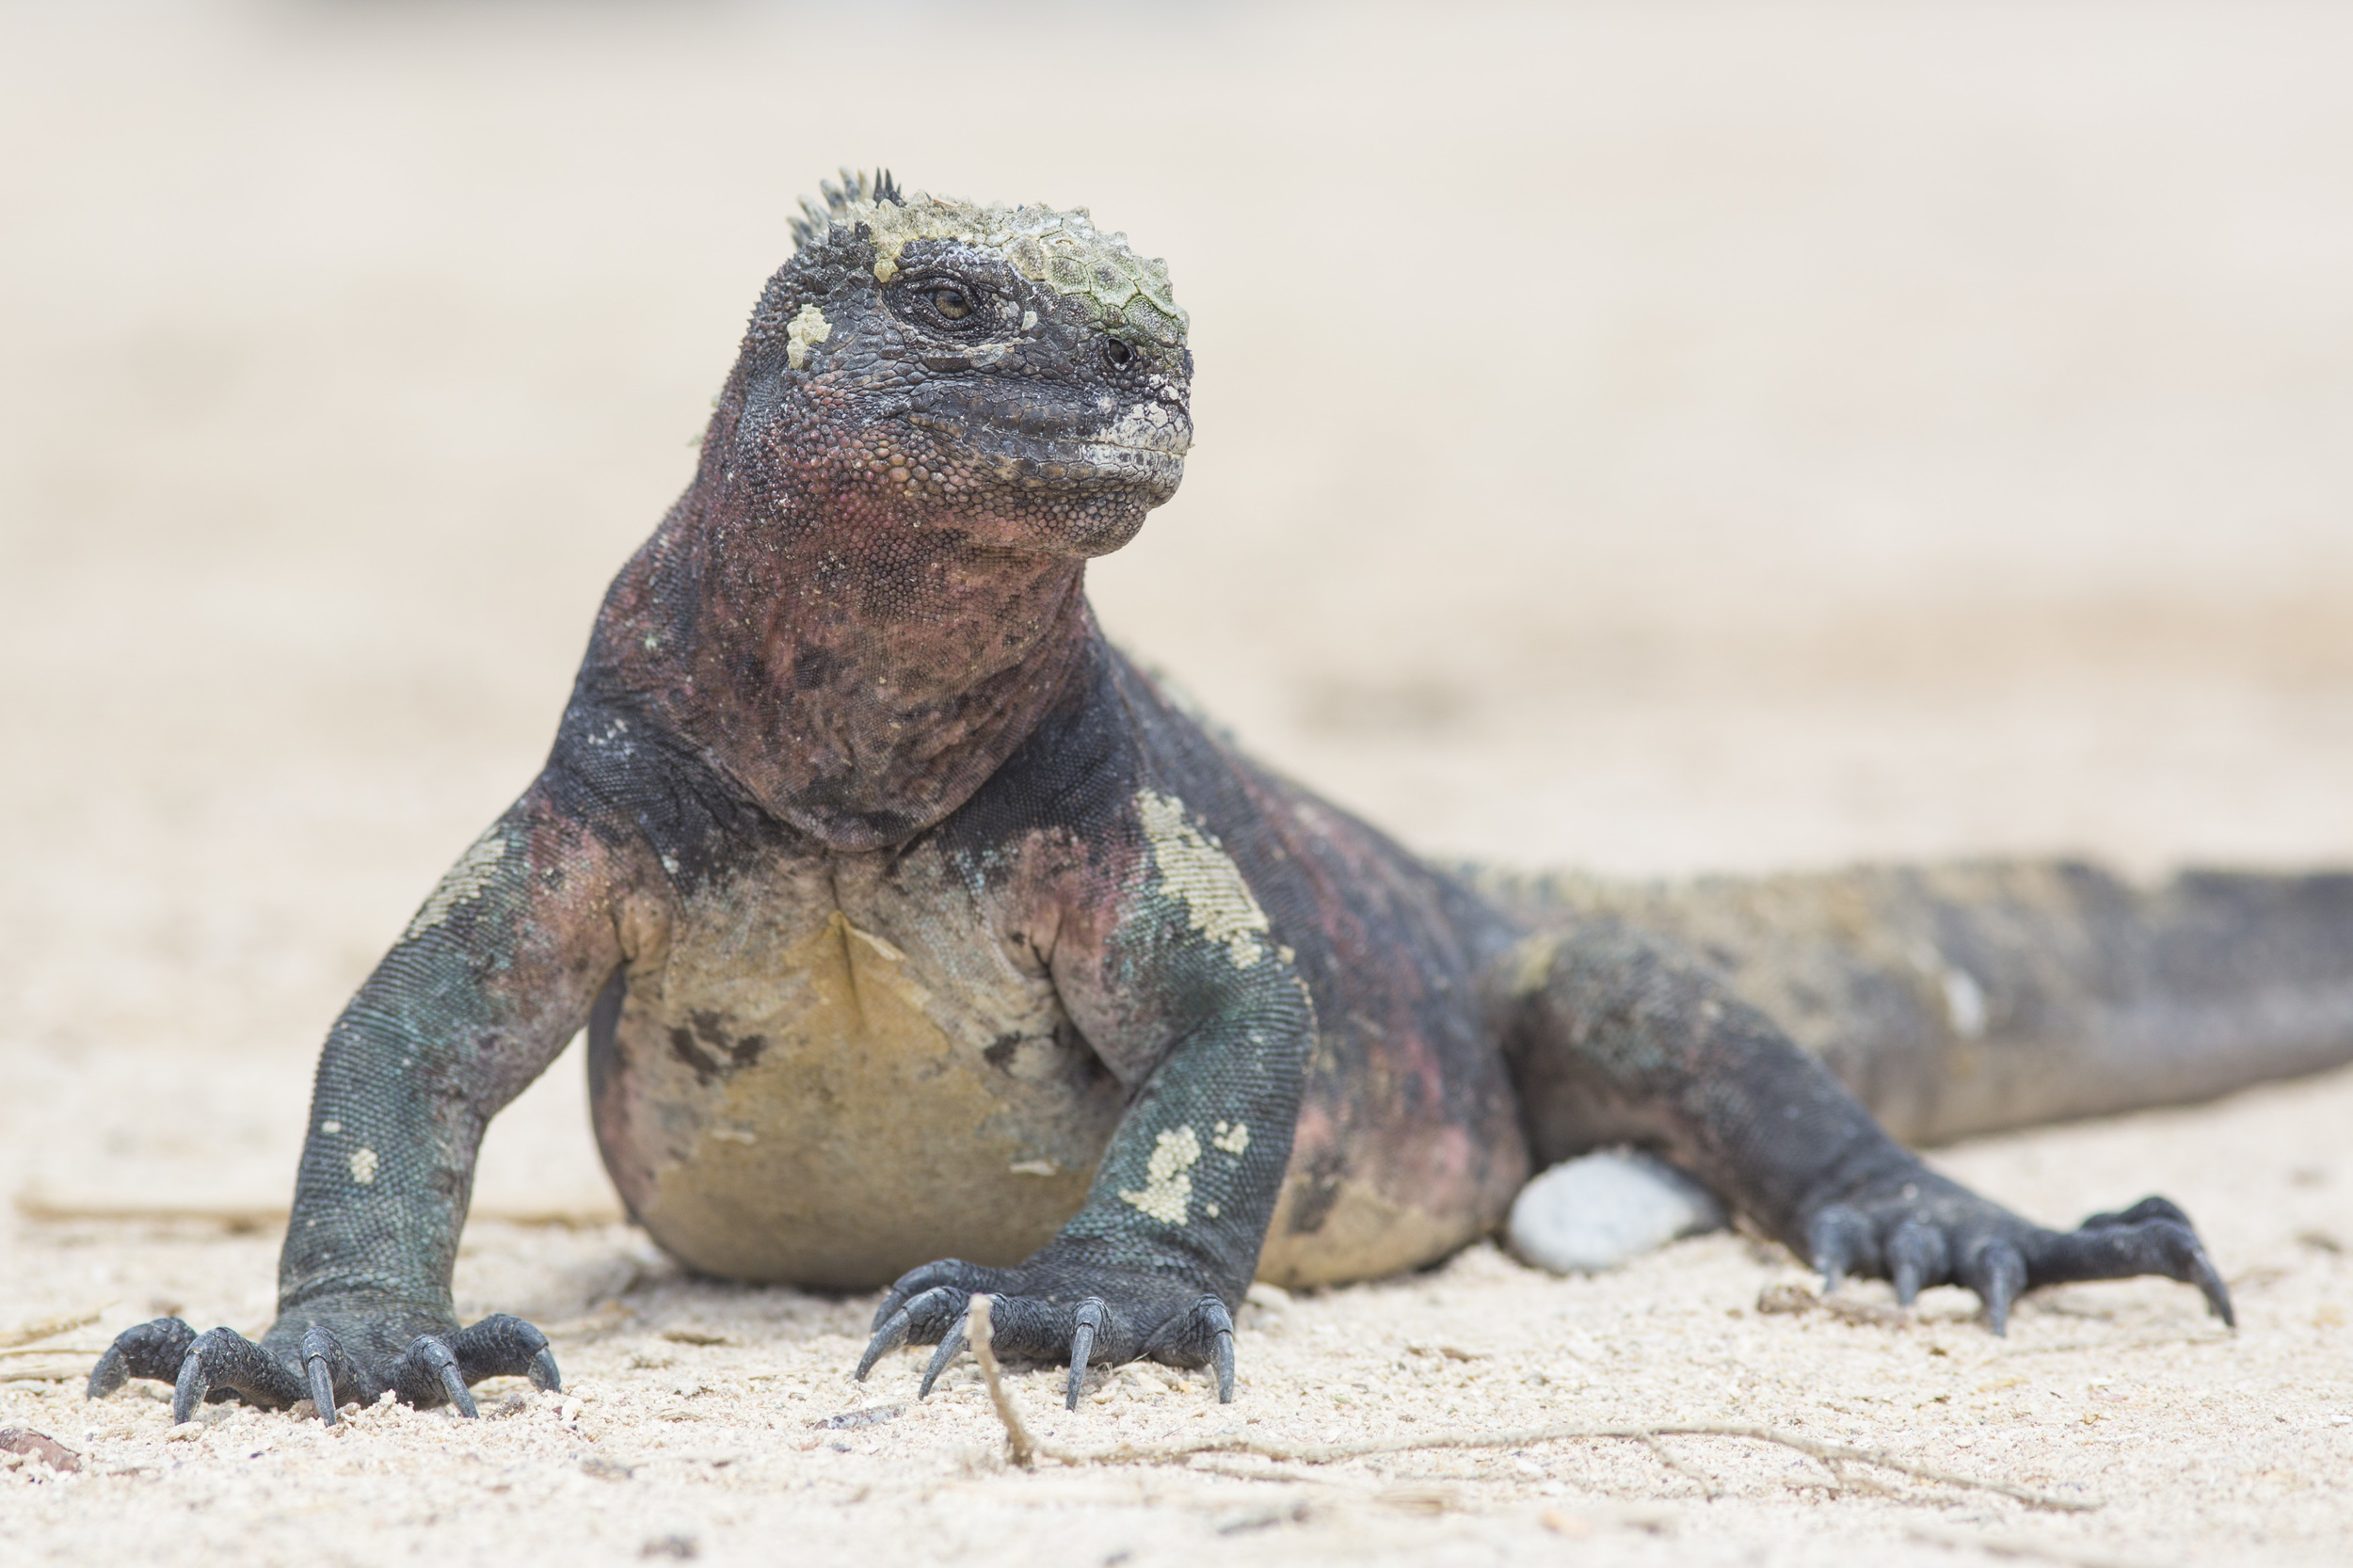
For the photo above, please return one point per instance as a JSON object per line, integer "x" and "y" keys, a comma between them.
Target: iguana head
{"x": 1012, "y": 373}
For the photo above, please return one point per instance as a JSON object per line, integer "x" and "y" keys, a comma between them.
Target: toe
{"x": 1087, "y": 1323}
{"x": 150, "y": 1349}
{"x": 504, "y": 1346}
{"x": 2121, "y": 1248}
{"x": 1997, "y": 1274}
{"x": 950, "y": 1347}
{"x": 222, "y": 1363}
{"x": 1917, "y": 1257}
{"x": 888, "y": 1337}
{"x": 1221, "y": 1323}
{"x": 951, "y": 1273}
{"x": 923, "y": 1321}
{"x": 322, "y": 1360}
{"x": 1840, "y": 1240}
{"x": 428, "y": 1376}
{"x": 2140, "y": 1213}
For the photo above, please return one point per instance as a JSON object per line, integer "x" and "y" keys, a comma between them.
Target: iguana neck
{"x": 859, "y": 670}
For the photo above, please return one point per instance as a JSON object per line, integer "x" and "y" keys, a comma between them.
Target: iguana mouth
{"x": 1134, "y": 429}
{"x": 1168, "y": 449}
{"x": 1142, "y": 453}
{"x": 1094, "y": 465}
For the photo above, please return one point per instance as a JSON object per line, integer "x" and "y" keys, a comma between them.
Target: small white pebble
{"x": 1596, "y": 1212}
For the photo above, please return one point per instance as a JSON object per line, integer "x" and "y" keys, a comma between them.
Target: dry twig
{"x": 1026, "y": 1448}
{"x": 1796, "y": 1300}
{"x": 242, "y": 1220}
{"x": 48, "y": 1328}
{"x": 1019, "y": 1445}
{"x": 1705, "y": 1483}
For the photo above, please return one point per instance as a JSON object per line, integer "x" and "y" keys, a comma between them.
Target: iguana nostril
{"x": 1118, "y": 353}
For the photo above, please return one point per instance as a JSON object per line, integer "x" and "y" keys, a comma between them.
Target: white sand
{"x": 1644, "y": 438}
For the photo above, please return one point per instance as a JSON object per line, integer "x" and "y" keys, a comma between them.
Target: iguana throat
{"x": 874, "y": 588}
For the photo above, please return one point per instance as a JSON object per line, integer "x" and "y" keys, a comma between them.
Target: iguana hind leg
{"x": 1615, "y": 1034}
{"x": 1979, "y": 996}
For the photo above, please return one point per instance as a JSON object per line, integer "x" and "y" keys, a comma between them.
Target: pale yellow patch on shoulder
{"x": 1217, "y": 901}
{"x": 465, "y": 881}
{"x": 809, "y": 326}
{"x": 1233, "y": 1138}
{"x": 1167, "y": 1194}
{"x": 363, "y": 1166}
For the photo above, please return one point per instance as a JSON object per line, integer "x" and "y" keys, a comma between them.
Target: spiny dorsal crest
{"x": 856, "y": 189}
{"x": 1062, "y": 249}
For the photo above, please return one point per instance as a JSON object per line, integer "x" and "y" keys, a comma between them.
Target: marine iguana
{"x": 923, "y": 940}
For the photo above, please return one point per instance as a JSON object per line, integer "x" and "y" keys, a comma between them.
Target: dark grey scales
{"x": 921, "y": 938}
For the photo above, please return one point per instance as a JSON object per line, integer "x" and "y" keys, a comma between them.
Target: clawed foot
{"x": 328, "y": 1368}
{"x": 1935, "y": 1233}
{"x": 1102, "y": 1321}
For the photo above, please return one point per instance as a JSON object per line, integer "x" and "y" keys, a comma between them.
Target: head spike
{"x": 887, "y": 189}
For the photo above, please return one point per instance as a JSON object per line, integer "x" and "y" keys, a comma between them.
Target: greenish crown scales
{"x": 1061, "y": 251}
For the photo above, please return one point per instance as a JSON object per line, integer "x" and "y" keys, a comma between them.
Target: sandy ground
{"x": 1644, "y": 438}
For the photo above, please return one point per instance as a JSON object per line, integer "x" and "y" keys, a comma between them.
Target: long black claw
{"x": 150, "y": 1349}
{"x": 543, "y": 1373}
{"x": 436, "y": 1360}
{"x": 321, "y": 1389}
{"x": 1090, "y": 1318}
{"x": 2210, "y": 1286}
{"x": 459, "y": 1394}
{"x": 192, "y": 1386}
{"x": 1839, "y": 1239}
{"x": 2002, "y": 1274}
{"x": 1918, "y": 1254}
{"x": 940, "y": 1309}
{"x": 950, "y": 1347}
{"x": 1222, "y": 1348}
{"x": 108, "y": 1375}
{"x": 319, "y": 1353}
{"x": 887, "y": 1338}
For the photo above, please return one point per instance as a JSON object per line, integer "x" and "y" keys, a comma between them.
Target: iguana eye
{"x": 952, "y": 303}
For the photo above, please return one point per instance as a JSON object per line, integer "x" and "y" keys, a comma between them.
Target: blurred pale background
{"x": 1643, "y": 437}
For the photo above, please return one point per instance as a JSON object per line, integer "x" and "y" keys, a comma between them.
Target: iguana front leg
{"x": 494, "y": 975}
{"x": 1614, "y": 1034}
{"x": 1189, "y": 995}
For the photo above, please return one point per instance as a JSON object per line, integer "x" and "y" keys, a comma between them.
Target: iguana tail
{"x": 1976, "y": 997}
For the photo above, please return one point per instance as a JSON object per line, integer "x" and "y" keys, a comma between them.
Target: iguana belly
{"x": 802, "y": 1093}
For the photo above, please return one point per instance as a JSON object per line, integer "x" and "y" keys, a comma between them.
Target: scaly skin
{"x": 922, "y": 938}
